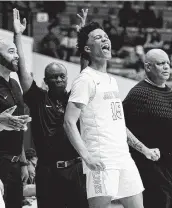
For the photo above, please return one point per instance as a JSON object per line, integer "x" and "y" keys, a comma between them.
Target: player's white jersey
{"x": 102, "y": 119}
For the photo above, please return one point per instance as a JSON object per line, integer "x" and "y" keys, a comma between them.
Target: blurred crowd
{"x": 128, "y": 48}
{"x": 133, "y": 30}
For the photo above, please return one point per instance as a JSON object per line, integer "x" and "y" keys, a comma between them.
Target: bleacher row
{"x": 98, "y": 11}
{"x": 104, "y": 8}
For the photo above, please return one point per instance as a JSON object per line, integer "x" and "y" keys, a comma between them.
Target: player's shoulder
{"x": 85, "y": 76}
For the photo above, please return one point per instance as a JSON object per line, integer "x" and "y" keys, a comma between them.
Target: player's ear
{"x": 147, "y": 66}
{"x": 87, "y": 49}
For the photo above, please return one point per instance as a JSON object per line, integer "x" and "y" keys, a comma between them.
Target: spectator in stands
{"x": 159, "y": 20}
{"x": 107, "y": 26}
{"x": 50, "y": 44}
{"x": 147, "y": 16}
{"x": 127, "y": 44}
{"x": 127, "y": 15}
{"x": 53, "y": 8}
{"x": 140, "y": 37}
{"x": 153, "y": 40}
{"x": 116, "y": 41}
{"x": 135, "y": 59}
{"x": 68, "y": 44}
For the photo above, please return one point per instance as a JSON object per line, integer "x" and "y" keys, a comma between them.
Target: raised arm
{"x": 84, "y": 62}
{"x": 72, "y": 115}
{"x": 24, "y": 76}
{"x": 82, "y": 19}
{"x": 152, "y": 154}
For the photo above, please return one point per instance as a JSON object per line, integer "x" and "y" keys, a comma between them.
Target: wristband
{"x": 23, "y": 164}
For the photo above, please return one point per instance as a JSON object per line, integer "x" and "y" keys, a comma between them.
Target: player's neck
{"x": 5, "y": 73}
{"x": 99, "y": 65}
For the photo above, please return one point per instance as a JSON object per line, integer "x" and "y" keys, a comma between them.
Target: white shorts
{"x": 116, "y": 183}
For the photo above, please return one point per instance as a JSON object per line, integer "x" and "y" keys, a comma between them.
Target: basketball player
{"x": 110, "y": 171}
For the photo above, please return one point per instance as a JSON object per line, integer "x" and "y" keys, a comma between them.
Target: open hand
{"x": 82, "y": 19}
{"x": 9, "y": 122}
{"x": 18, "y": 26}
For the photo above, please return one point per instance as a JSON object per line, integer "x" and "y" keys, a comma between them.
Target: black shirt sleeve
{"x": 33, "y": 95}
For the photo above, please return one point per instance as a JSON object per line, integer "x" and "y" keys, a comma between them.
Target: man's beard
{"x": 9, "y": 65}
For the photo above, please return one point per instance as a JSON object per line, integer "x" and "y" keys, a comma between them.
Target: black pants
{"x": 10, "y": 174}
{"x": 61, "y": 188}
{"x": 157, "y": 180}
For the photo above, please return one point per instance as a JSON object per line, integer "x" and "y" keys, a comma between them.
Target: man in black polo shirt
{"x": 11, "y": 142}
{"x": 59, "y": 177}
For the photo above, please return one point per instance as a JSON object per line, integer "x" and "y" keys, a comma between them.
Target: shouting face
{"x": 98, "y": 44}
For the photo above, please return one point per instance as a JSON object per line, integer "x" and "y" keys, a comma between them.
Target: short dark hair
{"x": 49, "y": 66}
{"x": 83, "y": 35}
{"x": 30, "y": 153}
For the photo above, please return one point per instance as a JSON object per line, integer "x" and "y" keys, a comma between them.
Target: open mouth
{"x": 106, "y": 48}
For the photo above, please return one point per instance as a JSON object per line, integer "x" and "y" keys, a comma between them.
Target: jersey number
{"x": 116, "y": 110}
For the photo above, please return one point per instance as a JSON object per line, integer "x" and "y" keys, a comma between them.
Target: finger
{"x": 102, "y": 165}
{"x": 93, "y": 167}
{"x": 23, "y": 117}
{"x": 85, "y": 13}
{"x": 157, "y": 152}
{"x": 24, "y": 22}
{"x": 10, "y": 110}
{"x": 79, "y": 16}
{"x": 15, "y": 127}
{"x": 24, "y": 128}
{"x": 18, "y": 15}
{"x": 12, "y": 128}
{"x": 15, "y": 13}
{"x": 16, "y": 123}
{"x": 24, "y": 180}
{"x": 155, "y": 158}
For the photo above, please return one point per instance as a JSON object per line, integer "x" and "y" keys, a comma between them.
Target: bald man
{"x": 148, "y": 114}
{"x": 59, "y": 178}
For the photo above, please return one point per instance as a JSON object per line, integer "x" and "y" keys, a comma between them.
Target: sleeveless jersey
{"x": 102, "y": 121}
